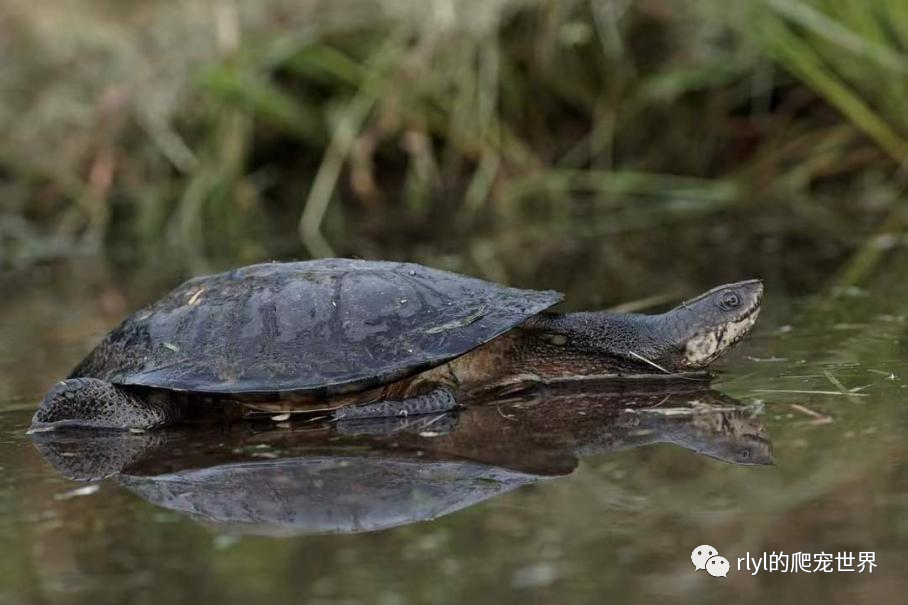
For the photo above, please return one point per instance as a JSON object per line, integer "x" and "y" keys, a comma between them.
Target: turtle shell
{"x": 315, "y": 328}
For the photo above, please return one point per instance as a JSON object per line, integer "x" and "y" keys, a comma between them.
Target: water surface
{"x": 569, "y": 508}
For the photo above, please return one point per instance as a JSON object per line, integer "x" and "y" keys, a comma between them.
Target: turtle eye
{"x": 729, "y": 300}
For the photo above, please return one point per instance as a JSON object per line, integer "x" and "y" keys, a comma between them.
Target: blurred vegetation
{"x": 277, "y": 128}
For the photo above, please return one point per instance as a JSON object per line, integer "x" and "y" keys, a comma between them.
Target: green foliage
{"x": 245, "y": 129}
{"x": 852, "y": 54}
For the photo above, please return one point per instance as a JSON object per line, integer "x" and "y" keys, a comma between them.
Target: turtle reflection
{"x": 314, "y": 477}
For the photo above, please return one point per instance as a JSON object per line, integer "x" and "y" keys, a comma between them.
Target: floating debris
{"x": 79, "y": 491}
{"x": 818, "y": 417}
{"x": 538, "y": 575}
{"x": 650, "y": 362}
{"x": 850, "y": 292}
{"x": 224, "y": 541}
{"x": 195, "y": 297}
{"x": 888, "y": 375}
{"x": 838, "y": 384}
{"x": 459, "y": 323}
{"x": 806, "y": 392}
{"x": 503, "y": 415}
{"x": 892, "y": 318}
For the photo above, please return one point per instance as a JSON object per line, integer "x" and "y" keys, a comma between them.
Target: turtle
{"x": 359, "y": 338}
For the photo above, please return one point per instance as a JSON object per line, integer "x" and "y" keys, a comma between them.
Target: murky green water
{"x": 556, "y": 498}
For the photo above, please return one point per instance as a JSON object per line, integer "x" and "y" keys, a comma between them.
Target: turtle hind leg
{"x": 435, "y": 401}
{"x": 94, "y": 403}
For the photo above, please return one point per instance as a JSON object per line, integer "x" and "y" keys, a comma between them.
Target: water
{"x": 559, "y": 497}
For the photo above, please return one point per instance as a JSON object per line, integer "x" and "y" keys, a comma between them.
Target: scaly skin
{"x": 90, "y": 402}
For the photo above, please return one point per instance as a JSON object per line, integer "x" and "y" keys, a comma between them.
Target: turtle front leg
{"x": 435, "y": 401}
{"x": 89, "y": 402}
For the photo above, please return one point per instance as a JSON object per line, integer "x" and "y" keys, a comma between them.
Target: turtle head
{"x": 701, "y": 330}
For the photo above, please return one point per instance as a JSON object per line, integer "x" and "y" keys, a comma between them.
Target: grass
{"x": 256, "y": 130}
